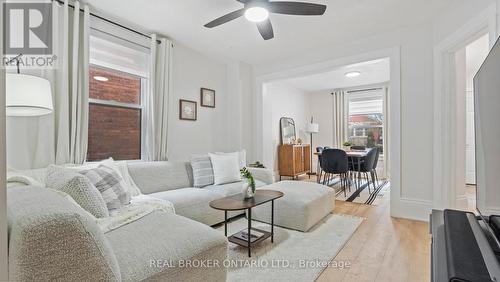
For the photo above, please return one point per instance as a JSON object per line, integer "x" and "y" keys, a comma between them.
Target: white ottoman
{"x": 302, "y": 206}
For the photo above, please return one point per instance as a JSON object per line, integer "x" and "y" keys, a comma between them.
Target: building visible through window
{"x": 114, "y": 115}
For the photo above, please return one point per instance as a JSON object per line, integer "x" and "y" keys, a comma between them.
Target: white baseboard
{"x": 413, "y": 209}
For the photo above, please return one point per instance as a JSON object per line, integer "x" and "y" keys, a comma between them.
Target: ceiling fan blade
{"x": 296, "y": 8}
{"x": 226, "y": 18}
{"x": 243, "y": 1}
{"x": 266, "y": 29}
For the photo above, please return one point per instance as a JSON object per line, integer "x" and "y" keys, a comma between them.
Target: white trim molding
{"x": 446, "y": 174}
{"x": 400, "y": 207}
{"x": 4, "y": 276}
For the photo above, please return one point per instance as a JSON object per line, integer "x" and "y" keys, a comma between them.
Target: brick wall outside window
{"x": 114, "y": 131}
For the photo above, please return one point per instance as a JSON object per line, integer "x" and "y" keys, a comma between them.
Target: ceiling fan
{"x": 257, "y": 11}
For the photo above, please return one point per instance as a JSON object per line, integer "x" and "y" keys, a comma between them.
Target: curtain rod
{"x": 363, "y": 90}
{"x": 110, "y": 21}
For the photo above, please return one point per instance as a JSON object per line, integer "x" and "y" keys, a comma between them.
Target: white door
{"x": 470, "y": 150}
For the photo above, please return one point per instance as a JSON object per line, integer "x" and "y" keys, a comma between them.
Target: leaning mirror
{"x": 287, "y": 129}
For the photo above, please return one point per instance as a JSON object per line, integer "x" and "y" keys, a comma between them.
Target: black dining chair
{"x": 319, "y": 171}
{"x": 357, "y": 147}
{"x": 334, "y": 161}
{"x": 367, "y": 166}
{"x": 374, "y": 170}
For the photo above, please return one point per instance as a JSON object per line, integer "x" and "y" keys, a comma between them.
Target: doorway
{"x": 468, "y": 60}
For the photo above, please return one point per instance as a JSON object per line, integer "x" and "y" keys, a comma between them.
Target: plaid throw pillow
{"x": 203, "y": 174}
{"x": 110, "y": 184}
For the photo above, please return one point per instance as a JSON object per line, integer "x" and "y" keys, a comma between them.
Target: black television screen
{"x": 487, "y": 128}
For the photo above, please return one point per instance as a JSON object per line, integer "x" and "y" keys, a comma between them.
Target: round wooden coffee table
{"x": 238, "y": 202}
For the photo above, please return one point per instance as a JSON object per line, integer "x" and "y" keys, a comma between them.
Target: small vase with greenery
{"x": 347, "y": 145}
{"x": 249, "y": 183}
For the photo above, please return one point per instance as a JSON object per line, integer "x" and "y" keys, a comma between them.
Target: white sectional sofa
{"x": 51, "y": 238}
{"x": 172, "y": 181}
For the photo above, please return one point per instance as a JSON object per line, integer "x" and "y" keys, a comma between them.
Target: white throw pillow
{"x": 226, "y": 168}
{"x": 242, "y": 157}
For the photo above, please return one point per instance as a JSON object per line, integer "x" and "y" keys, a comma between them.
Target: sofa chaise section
{"x": 159, "y": 246}
{"x": 51, "y": 238}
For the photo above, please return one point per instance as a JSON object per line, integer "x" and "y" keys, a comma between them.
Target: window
{"x": 117, "y": 81}
{"x": 114, "y": 115}
{"x": 366, "y": 119}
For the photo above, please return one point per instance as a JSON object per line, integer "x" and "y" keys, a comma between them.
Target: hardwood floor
{"x": 383, "y": 248}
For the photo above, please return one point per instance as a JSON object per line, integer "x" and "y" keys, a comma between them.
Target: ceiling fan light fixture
{"x": 256, "y": 14}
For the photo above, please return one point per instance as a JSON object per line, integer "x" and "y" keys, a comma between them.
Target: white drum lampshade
{"x": 312, "y": 128}
{"x": 27, "y": 95}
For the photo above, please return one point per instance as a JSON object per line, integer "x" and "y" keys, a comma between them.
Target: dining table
{"x": 356, "y": 157}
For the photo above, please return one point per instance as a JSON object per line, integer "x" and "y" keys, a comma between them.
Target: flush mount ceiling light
{"x": 256, "y": 14}
{"x": 352, "y": 74}
{"x": 101, "y": 78}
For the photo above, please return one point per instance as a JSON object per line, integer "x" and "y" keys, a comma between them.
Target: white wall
{"x": 191, "y": 71}
{"x": 321, "y": 107}
{"x": 223, "y": 128}
{"x": 282, "y": 100}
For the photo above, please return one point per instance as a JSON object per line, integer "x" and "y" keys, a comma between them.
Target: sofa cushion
{"x": 79, "y": 188}
{"x": 226, "y": 168}
{"x": 153, "y": 177}
{"x": 111, "y": 185}
{"x": 193, "y": 203}
{"x": 203, "y": 173}
{"x": 147, "y": 249}
{"x": 231, "y": 188}
{"x": 303, "y": 205}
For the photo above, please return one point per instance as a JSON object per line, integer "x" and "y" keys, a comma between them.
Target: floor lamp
{"x": 312, "y": 128}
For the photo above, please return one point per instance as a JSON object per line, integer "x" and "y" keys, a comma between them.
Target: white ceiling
{"x": 344, "y": 20}
{"x": 372, "y": 72}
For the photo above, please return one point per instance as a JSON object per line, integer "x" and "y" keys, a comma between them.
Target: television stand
{"x": 460, "y": 249}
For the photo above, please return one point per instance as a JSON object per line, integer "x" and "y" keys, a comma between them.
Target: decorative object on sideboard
{"x": 287, "y": 131}
{"x": 312, "y": 128}
{"x": 207, "y": 97}
{"x": 27, "y": 95}
{"x": 248, "y": 183}
{"x": 257, "y": 164}
{"x": 187, "y": 110}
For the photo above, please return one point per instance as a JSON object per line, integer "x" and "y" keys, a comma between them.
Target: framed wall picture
{"x": 187, "y": 110}
{"x": 207, "y": 97}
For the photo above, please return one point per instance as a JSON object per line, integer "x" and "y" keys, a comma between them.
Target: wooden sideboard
{"x": 294, "y": 160}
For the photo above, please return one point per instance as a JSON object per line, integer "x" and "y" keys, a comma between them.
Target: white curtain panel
{"x": 156, "y": 102}
{"x": 386, "y": 133}
{"x": 340, "y": 116}
{"x": 70, "y": 82}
